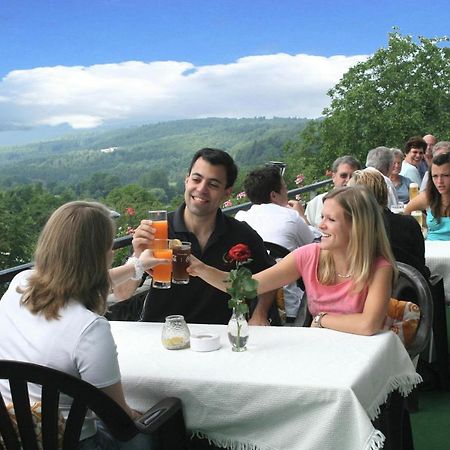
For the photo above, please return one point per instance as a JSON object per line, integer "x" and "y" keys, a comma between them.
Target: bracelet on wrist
{"x": 318, "y": 319}
{"x": 138, "y": 267}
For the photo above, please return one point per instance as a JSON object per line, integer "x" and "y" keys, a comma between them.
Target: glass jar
{"x": 175, "y": 333}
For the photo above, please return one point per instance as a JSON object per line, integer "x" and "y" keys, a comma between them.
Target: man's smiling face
{"x": 205, "y": 188}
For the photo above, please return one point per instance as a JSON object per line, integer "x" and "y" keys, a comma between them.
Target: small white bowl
{"x": 205, "y": 342}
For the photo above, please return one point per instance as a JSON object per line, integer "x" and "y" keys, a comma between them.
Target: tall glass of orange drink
{"x": 159, "y": 222}
{"x": 162, "y": 273}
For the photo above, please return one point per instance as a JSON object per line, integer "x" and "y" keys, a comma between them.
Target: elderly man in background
{"x": 428, "y": 154}
{"x": 276, "y": 220}
{"x": 382, "y": 159}
{"x": 342, "y": 171}
{"x": 438, "y": 149}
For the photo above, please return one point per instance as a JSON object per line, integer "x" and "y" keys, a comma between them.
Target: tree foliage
{"x": 401, "y": 91}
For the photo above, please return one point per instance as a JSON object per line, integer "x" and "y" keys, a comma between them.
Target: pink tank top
{"x": 333, "y": 298}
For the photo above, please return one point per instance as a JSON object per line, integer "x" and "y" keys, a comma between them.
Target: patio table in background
{"x": 295, "y": 388}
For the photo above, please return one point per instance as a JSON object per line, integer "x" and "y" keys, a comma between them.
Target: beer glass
{"x": 159, "y": 222}
{"x": 180, "y": 251}
{"x": 413, "y": 190}
{"x": 162, "y": 273}
{"x": 418, "y": 215}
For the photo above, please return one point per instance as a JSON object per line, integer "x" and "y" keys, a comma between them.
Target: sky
{"x": 82, "y": 64}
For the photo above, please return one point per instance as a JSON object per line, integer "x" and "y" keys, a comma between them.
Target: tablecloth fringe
{"x": 230, "y": 443}
{"x": 376, "y": 441}
{"x": 402, "y": 383}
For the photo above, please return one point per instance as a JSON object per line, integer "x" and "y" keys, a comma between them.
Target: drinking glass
{"x": 181, "y": 252}
{"x": 399, "y": 208}
{"x": 162, "y": 273}
{"x": 413, "y": 190}
{"x": 418, "y": 215}
{"x": 159, "y": 222}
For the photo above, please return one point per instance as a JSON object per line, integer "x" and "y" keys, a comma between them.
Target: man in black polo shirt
{"x": 200, "y": 221}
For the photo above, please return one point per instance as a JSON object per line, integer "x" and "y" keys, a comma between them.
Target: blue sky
{"x": 98, "y": 62}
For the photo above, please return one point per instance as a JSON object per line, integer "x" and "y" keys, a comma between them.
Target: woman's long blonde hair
{"x": 71, "y": 260}
{"x": 368, "y": 239}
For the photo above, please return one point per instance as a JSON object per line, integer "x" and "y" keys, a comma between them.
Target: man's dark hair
{"x": 415, "y": 142}
{"x": 261, "y": 182}
{"x": 217, "y": 157}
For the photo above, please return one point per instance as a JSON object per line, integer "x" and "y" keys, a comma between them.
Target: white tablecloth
{"x": 295, "y": 388}
{"x": 437, "y": 255}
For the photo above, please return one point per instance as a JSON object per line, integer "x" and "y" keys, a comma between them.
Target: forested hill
{"x": 135, "y": 152}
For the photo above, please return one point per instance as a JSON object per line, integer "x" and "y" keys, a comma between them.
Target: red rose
{"x": 239, "y": 253}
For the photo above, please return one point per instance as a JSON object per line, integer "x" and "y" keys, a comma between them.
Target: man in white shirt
{"x": 382, "y": 159}
{"x": 276, "y": 220}
{"x": 342, "y": 171}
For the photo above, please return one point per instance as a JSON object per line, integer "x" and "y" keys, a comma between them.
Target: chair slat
{"x": 21, "y": 400}
{"x": 7, "y": 432}
{"x": 50, "y": 416}
{"x": 74, "y": 423}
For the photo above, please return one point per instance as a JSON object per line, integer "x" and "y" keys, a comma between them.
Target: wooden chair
{"x": 164, "y": 420}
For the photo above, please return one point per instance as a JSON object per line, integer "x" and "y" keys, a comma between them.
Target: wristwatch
{"x": 318, "y": 319}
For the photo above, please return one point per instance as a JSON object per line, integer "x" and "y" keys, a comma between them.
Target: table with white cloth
{"x": 437, "y": 256}
{"x": 294, "y": 388}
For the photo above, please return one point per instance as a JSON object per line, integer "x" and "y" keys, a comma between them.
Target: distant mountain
{"x": 132, "y": 152}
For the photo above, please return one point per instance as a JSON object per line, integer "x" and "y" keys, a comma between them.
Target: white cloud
{"x": 85, "y": 97}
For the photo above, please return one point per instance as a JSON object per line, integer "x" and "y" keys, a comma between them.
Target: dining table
{"x": 437, "y": 257}
{"x": 294, "y": 387}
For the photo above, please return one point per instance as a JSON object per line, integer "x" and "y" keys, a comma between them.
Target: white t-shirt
{"x": 410, "y": 171}
{"x": 79, "y": 343}
{"x": 313, "y": 210}
{"x": 282, "y": 226}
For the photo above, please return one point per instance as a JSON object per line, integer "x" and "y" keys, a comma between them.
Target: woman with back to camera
{"x": 403, "y": 232}
{"x": 435, "y": 200}
{"x": 348, "y": 275}
{"x": 52, "y": 315}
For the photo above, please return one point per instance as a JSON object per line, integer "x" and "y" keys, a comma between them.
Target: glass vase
{"x": 238, "y": 332}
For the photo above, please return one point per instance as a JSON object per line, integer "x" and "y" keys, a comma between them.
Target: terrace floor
{"x": 431, "y": 424}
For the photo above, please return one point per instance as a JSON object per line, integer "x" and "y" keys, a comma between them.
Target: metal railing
{"x": 7, "y": 275}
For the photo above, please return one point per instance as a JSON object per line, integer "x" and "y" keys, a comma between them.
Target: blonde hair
{"x": 71, "y": 261}
{"x": 374, "y": 181}
{"x": 368, "y": 239}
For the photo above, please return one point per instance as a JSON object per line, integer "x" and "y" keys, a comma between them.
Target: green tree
{"x": 401, "y": 91}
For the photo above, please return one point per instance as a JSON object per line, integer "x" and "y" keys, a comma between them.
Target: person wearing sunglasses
{"x": 342, "y": 170}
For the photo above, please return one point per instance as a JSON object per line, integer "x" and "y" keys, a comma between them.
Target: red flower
{"x": 239, "y": 253}
{"x": 130, "y": 212}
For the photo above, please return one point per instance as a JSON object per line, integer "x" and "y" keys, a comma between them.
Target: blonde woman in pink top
{"x": 348, "y": 275}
